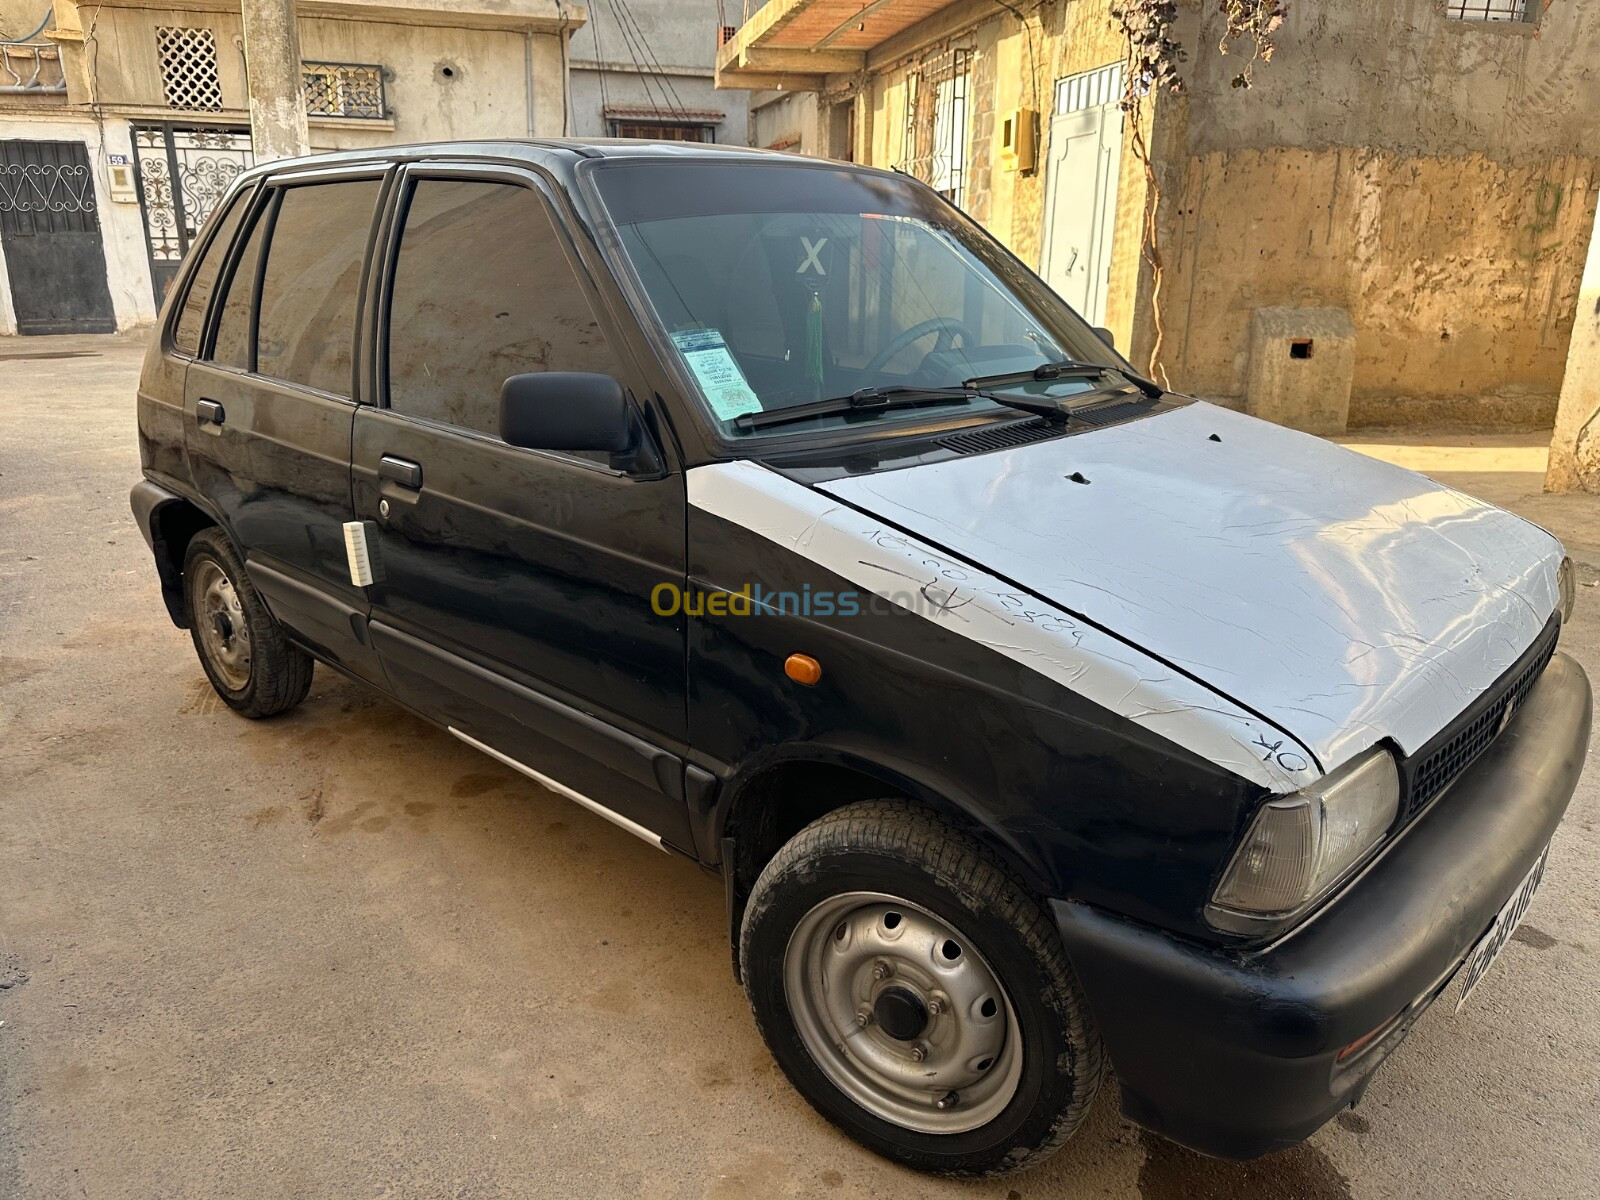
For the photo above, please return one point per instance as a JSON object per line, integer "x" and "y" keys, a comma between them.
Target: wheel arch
{"x": 764, "y": 806}
{"x": 169, "y": 522}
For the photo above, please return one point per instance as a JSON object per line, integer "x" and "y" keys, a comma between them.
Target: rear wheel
{"x": 916, "y": 994}
{"x": 243, "y": 649}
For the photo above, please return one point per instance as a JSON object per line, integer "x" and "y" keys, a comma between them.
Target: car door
{"x": 268, "y": 404}
{"x": 513, "y": 598}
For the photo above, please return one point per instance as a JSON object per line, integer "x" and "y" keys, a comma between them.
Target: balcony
{"x": 796, "y": 44}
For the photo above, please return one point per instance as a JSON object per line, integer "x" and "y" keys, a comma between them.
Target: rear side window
{"x": 186, "y": 337}
{"x": 312, "y": 284}
{"x": 234, "y": 332}
{"x": 482, "y": 291}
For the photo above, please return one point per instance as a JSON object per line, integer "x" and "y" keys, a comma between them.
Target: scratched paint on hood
{"x": 1343, "y": 598}
{"x": 965, "y": 599}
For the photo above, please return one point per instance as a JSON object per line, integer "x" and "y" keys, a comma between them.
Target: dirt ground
{"x": 339, "y": 954}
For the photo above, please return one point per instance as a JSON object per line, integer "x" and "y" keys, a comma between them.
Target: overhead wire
{"x": 644, "y": 75}
{"x": 675, "y": 105}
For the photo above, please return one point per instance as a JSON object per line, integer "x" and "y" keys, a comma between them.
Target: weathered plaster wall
{"x": 1436, "y": 177}
{"x": 786, "y": 121}
{"x": 485, "y": 93}
{"x": 1457, "y": 271}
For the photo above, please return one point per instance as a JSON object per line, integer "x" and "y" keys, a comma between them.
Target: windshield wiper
{"x": 1067, "y": 369}
{"x": 866, "y": 401}
{"x": 869, "y": 401}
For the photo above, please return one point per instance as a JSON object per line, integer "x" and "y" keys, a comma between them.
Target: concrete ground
{"x": 339, "y": 954}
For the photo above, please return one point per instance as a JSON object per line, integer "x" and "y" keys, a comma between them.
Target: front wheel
{"x": 916, "y": 994}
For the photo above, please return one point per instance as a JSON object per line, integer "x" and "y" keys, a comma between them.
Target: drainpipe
{"x": 527, "y": 75}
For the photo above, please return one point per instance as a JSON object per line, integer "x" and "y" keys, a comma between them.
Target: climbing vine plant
{"x": 1153, "y": 58}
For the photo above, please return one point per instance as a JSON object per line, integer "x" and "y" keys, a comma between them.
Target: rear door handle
{"x": 400, "y": 470}
{"x": 209, "y": 412}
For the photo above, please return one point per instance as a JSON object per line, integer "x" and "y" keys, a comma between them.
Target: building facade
{"x": 1402, "y": 201}
{"x": 122, "y": 123}
{"x": 646, "y": 68}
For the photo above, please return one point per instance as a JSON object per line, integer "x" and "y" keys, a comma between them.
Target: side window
{"x": 482, "y": 291}
{"x": 234, "y": 332}
{"x": 186, "y": 337}
{"x": 312, "y": 284}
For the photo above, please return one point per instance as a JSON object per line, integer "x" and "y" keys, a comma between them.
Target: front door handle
{"x": 209, "y": 412}
{"x": 400, "y": 470}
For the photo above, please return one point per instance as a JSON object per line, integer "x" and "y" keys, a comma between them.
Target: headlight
{"x": 1299, "y": 846}
{"x": 1567, "y": 588}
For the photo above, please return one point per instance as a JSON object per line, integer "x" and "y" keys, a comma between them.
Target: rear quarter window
{"x": 191, "y": 321}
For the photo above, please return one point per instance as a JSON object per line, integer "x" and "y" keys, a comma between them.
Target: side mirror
{"x": 566, "y": 410}
{"x": 1106, "y": 336}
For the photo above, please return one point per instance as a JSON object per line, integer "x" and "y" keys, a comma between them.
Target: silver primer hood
{"x": 1344, "y": 599}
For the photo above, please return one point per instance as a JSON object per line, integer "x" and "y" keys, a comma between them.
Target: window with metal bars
{"x": 189, "y": 68}
{"x": 934, "y": 142}
{"x": 1491, "y": 10}
{"x": 344, "y": 90}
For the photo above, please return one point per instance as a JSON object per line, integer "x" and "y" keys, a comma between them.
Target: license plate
{"x": 1505, "y": 924}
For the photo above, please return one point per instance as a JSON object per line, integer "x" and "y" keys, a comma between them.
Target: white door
{"x": 1081, "y": 189}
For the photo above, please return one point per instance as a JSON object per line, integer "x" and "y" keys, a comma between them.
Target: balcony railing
{"x": 31, "y": 69}
{"x": 344, "y": 90}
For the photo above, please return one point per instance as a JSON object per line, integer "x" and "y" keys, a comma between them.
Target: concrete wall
{"x": 789, "y": 121}
{"x": 1435, "y": 177}
{"x": 676, "y": 39}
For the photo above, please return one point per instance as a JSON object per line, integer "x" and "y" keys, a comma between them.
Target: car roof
{"x": 551, "y": 152}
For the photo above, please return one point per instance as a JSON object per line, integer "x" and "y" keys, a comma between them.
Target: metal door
{"x": 182, "y": 173}
{"x": 50, "y": 230}
{"x": 1081, "y": 190}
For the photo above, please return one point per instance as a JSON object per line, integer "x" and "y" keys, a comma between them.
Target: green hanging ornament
{"x": 814, "y": 340}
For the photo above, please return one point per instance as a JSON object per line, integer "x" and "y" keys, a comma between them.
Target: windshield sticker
{"x": 719, "y": 376}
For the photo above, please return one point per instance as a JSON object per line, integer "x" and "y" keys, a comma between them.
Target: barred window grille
{"x": 344, "y": 90}
{"x": 934, "y": 140}
{"x": 189, "y": 68}
{"x": 1490, "y": 10}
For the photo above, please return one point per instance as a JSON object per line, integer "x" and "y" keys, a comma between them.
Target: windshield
{"x": 785, "y": 285}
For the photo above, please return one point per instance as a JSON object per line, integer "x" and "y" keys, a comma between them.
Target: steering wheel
{"x": 946, "y": 327}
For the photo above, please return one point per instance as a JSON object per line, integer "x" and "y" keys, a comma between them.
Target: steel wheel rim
{"x": 844, "y": 959}
{"x": 224, "y": 631}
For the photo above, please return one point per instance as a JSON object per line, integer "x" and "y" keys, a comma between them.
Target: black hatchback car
{"x": 1038, "y": 719}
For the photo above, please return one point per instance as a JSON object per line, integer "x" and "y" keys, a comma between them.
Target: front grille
{"x": 1441, "y": 762}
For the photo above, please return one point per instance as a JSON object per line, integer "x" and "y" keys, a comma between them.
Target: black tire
{"x": 278, "y": 674}
{"x": 896, "y": 848}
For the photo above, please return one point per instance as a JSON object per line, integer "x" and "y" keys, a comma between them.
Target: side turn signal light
{"x": 802, "y": 668}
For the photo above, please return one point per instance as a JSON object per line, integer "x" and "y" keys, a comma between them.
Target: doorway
{"x": 50, "y": 233}
{"x": 182, "y": 173}
{"x": 1081, "y": 189}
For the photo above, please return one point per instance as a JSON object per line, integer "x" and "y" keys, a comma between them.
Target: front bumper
{"x": 1234, "y": 1053}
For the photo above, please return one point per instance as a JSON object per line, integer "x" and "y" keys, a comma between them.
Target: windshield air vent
{"x": 1000, "y": 437}
{"x": 1114, "y": 412}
